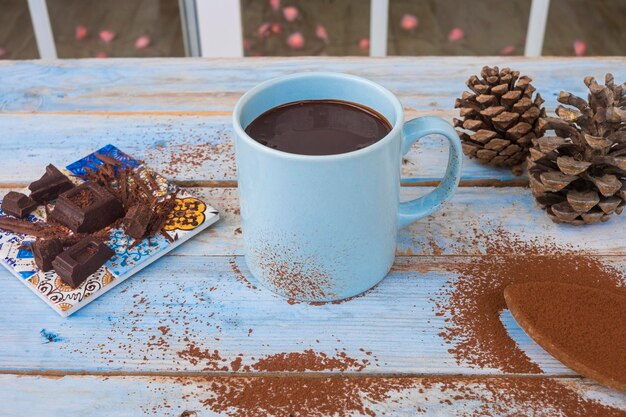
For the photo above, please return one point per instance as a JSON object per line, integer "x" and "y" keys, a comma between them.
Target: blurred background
{"x": 31, "y": 29}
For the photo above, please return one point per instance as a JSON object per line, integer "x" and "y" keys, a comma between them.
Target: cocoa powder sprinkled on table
{"x": 239, "y": 275}
{"x": 473, "y": 300}
{"x": 292, "y": 275}
{"x": 311, "y": 397}
{"x": 349, "y": 395}
{"x": 183, "y": 158}
{"x": 309, "y": 360}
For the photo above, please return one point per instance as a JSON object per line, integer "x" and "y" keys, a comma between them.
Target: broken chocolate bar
{"x": 77, "y": 263}
{"x": 45, "y": 251}
{"x": 137, "y": 220}
{"x": 87, "y": 208}
{"x": 18, "y": 204}
{"x": 24, "y": 227}
{"x": 50, "y": 185}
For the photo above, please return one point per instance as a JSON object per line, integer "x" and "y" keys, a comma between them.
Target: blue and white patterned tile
{"x": 62, "y": 297}
{"x": 16, "y": 258}
{"x": 91, "y": 162}
{"x": 128, "y": 257}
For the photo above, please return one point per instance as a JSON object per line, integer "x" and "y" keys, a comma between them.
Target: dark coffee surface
{"x": 318, "y": 127}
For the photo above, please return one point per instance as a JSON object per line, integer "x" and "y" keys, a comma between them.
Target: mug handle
{"x": 412, "y": 131}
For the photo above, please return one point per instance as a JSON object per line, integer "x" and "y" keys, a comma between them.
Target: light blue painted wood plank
{"x": 184, "y": 148}
{"x": 459, "y": 228}
{"x": 209, "y": 88}
{"x": 91, "y": 396}
{"x": 137, "y": 85}
{"x": 148, "y": 323}
{"x": 451, "y": 231}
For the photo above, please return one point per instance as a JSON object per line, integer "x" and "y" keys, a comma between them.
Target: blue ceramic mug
{"x": 323, "y": 228}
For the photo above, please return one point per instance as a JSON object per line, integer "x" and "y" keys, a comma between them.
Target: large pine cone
{"x": 501, "y": 117}
{"x": 579, "y": 176}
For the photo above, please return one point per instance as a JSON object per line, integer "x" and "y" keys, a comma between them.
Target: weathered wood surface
{"x": 194, "y": 149}
{"x": 176, "y": 104}
{"x": 204, "y": 86}
{"x": 204, "y": 302}
{"x": 462, "y": 227}
{"x": 124, "y": 396}
{"x": 175, "y": 115}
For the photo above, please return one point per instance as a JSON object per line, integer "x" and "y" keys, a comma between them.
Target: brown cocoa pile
{"x": 473, "y": 300}
{"x": 309, "y": 360}
{"x": 350, "y": 395}
{"x": 583, "y": 327}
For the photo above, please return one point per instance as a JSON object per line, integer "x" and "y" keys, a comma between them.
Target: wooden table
{"x": 129, "y": 353}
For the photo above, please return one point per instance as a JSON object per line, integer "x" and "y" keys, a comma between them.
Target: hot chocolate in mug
{"x": 324, "y": 228}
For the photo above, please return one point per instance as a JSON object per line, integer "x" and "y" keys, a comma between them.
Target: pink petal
{"x": 107, "y": 36}
{"x": 290, "y": 13}
{"x": 246, "y": 44}
{"x": 275, "y": 27}
{"x": 320, "y": 32}
{"x": 408, "y": 22}
{"x": 142, "y": 42}
{"x": 295, "y": 40}
{"x": 264, "y": 29}
{"x": 3, "y": 52}
{"x": 507, "y": 50}
{"x": 364, "y": 43}
{"x": 580, "y": 48}
{"x": 275, "y": 4}
{"x": 456, "y": 34}
{"x": 102, "y": 55}
{"x": 81, "y": 32}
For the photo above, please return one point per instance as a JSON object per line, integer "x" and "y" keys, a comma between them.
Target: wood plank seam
{"x": 282, "y": 374}
{"x": 487, "y": 182}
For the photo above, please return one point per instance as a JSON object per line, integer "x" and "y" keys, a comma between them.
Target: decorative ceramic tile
{"x": 19, "y": 260}
{"x": 190, "y": 216}
{"x": 92, "y": 162}
{"x": 127, "y": 255}
{"x": 55, "y": 292}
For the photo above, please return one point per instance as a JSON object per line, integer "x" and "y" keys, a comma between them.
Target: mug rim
{"x": 243, "y": 100}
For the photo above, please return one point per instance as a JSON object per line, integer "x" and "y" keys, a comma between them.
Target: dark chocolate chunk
{"x": 137, "y": 220}
{"x": 18, "y": 204}
{"x": 78, "y": 262}
{"x": 45, "y": 251}
{"x": 24, "y": 227}
{"x": 50, "y": 185}
{"x": 87, "y": 208}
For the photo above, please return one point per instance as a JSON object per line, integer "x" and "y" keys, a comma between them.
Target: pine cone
{"x": 502, "y": 117}
{"x": 579, "y": 176}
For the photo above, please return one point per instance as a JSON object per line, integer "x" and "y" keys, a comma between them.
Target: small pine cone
{"x": 579, "y": 176}
{"x": 500, "y": 117}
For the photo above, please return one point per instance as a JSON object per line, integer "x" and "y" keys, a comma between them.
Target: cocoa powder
{"x": 473, "y": 300}
{"x": 343, "y": 396}
{"x": 181, "y": 159}
{"x": 583, "y": 327}
{"x": 309, "y": 360}
{"x": 83, "y": 198}
{"x": 293, "y": 275}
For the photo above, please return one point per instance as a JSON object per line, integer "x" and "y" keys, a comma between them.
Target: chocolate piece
{"x": 137, "y": 220}
{"x": 77, "y": 263}
{"x": 50, "y": 185}
{"x": 18, "y": 204}
{"x": 87, "y": 208}
{"x": 24, "y": 227}
{"x": 45, "y": 251}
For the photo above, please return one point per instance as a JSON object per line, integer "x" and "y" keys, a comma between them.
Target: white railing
{"x": 212, "y": 28}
